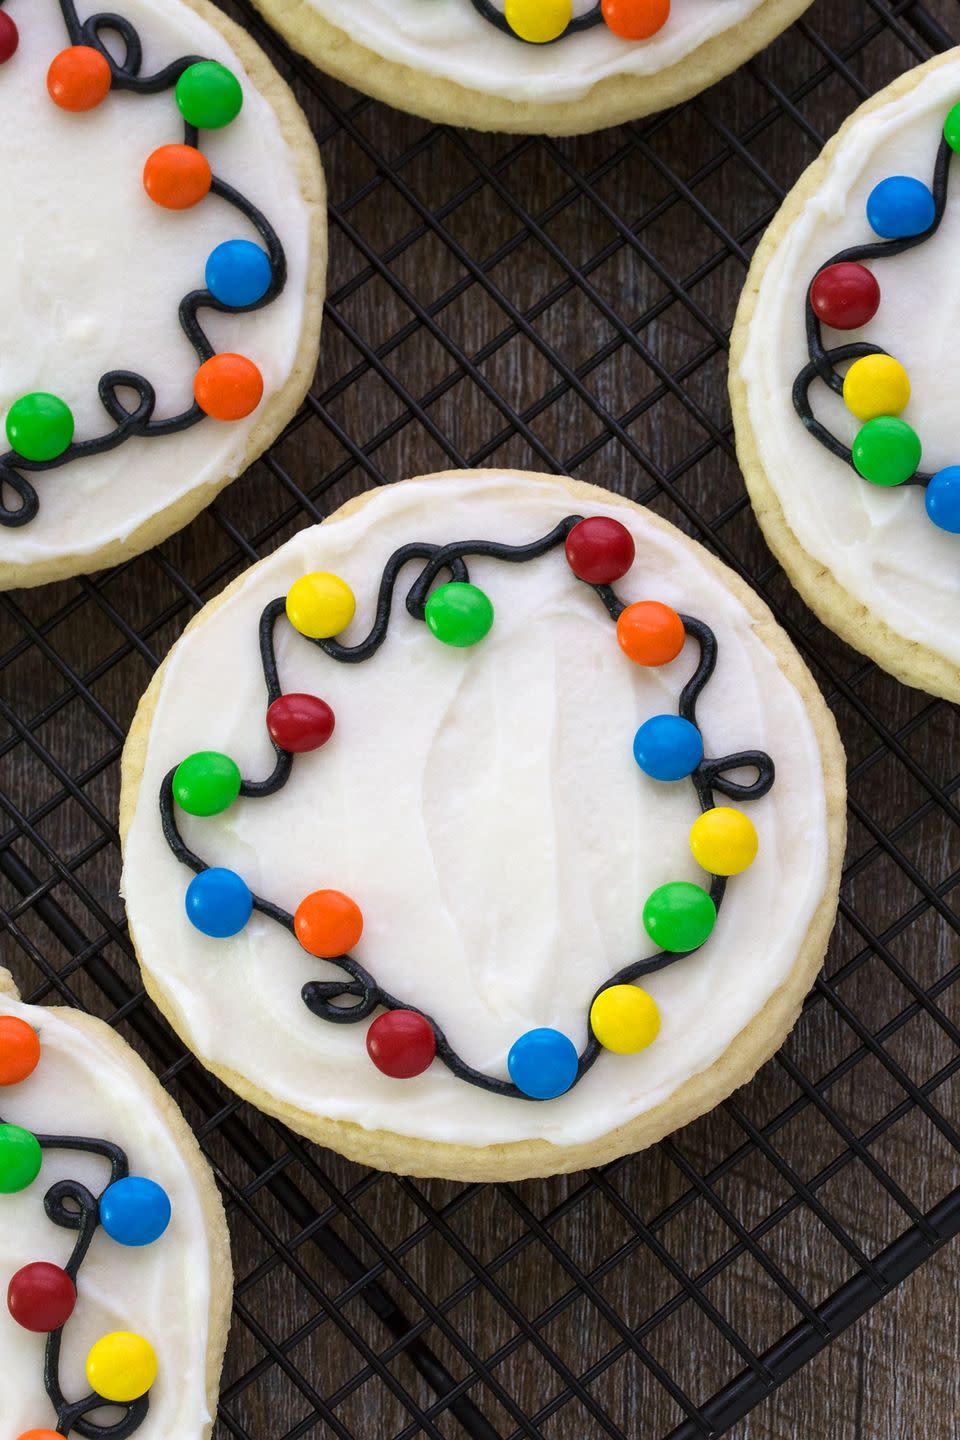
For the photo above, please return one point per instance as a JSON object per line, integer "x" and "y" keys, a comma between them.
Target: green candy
{"x": 951, "y": 128}
{"x": 206, "y": 783}
{"x": 459, "y": 614}
{"x": 209, "y": 95}
{"x": 39, "y": 426}
{"x": 887, "y": 451}
{"x": 679, "y": 916}
{"x": 20, "y": 1159}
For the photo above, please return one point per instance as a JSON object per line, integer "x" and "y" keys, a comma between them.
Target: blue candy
{"x": 900, "y": 207}
{"x": 134, "y": 1211}
{"x": 543, "y": 1063}
{"x": 238, "y": 273}
{"x": 218, "y": 902}
{"x": 943, "y": 499}
{"x": 667, "y": 747}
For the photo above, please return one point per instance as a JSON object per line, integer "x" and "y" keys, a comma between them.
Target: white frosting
{"x": 449, "y": 39}
{"x": 484, "y": 809}
{"x": 160, "y": 1291}
{"x": 94, "y": 273}
{"x": 878, "y": 543}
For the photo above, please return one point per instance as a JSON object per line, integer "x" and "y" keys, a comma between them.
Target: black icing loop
{"x": 357, "y": 995}
{"x": 822, "y": 363}
{"x": 496, "y": 17}
{"x": 139, "y": 421}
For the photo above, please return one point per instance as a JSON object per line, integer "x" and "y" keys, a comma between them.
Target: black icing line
{"x": 710, "y": 775}
{"x": 139, "y": 420}
{"x": 822, "y": 362}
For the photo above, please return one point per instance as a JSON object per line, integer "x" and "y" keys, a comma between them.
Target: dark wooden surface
{"x": 473, "y": 278}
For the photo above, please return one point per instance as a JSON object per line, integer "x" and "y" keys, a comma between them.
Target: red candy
{"x": 9, "y": 38}
{"x": 300, "y": 722}
{"x": 401, "y": 1043}
{"x": 41, "y": 1297}
{"x": 845, "y": 296}
{"x": 599, "y": 550}
{"x": 19, "y": 1049}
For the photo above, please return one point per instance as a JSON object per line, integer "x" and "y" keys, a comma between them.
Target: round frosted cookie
{"x": 164, "y": 258}
{"x": 444, "y": 924}
{"x": 841, "y": 378}
{"x": 113, "y": 1242}
{"x": 558, "y": 66}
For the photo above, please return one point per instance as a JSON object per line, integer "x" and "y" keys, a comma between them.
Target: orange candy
{"x": 328, "y": 923}
{"x": 41, "y": 1435}
{"x": 19, "y": 1050}
{"x": 228, "y": 387}
{"x": 177, "y": 176}
{"x": 650, "y": 633}
{"x": 79, "y": 78}
{"x": 635, "y": 19}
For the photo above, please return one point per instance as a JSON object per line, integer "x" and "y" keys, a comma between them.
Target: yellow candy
{"x": 538, "y": 20}
{"x": 320, "y": 605}
{"x": 624, "y": 1019}
{"x": 723, "y": 840}
{"x": 876, "y": 385}
{"x": 121, "y": 1366}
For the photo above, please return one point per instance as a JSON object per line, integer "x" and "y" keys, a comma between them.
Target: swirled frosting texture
{"x": 161, "y": 1291}
{"x": 448, "y": 38}
{"x": 484, "y": 809}
{"x": 94, "y": 272}
{"x": 877, "y": 542}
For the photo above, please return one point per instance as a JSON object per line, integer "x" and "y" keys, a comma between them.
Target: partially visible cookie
{"x": 163, "y": 253}
{"x": 842, "y": 378}
{"x": 114, "y": 1254}
{"x": 558, "y": 66}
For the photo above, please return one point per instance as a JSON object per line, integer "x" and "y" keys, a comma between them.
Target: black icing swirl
{"x": 138, "y": 418}
{"x": 710, "y": 776}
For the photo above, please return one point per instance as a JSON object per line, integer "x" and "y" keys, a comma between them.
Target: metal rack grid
{"x": 563, "y": 306}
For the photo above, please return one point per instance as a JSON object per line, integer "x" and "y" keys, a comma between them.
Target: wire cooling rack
{"x": 563, "y": 306}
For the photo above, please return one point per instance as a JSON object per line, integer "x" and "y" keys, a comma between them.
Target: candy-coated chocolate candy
{"x": 667, "y": 747}
{"x": 41, "y": 1297}
{"x": 401, "y": 1043}
{"x": 679, "y": 916}
{"x": 942, "y": 499}
{"x": 228, "y": 387}
{"x": 328, "y": 923}
{"x": 206, "y": 783}
{"x": 19, "y": 1049}
{"x": 238, "y": 273}
{"x": 876, "y": 385}
{"x": 39, "y": 426}
{"x": 635, "y": 19}
{"x": 538, "y": 20}
{"x": 846, "y": 295}
{"x": 40, "y": 1435}
{"x": 723, "y": 840}
{"x": 134, "y": 1210}
{"x": 177, "y": 177}
{"x": 20, "y": 1159}
{"x": 900, "y": 206}
{"x": 951, "y": 128}
{"x": 886, "y": 451}
{"x": 218, "y": 902}
{"x": 650, "y": 633}
{"x": 209, "y": 95}
{"x": 9, "y": 38}
{"x": 320, "y": 605}
{"x": 121, "y": 1366}
{"x": 300, "y": 722}
{"x": 543, "y": 1063}
{"x": 458, "y": 614}
{"x": 599, "y": 550}
{"x": 624, "y": 1019}
{"x": 79, "y": 78}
